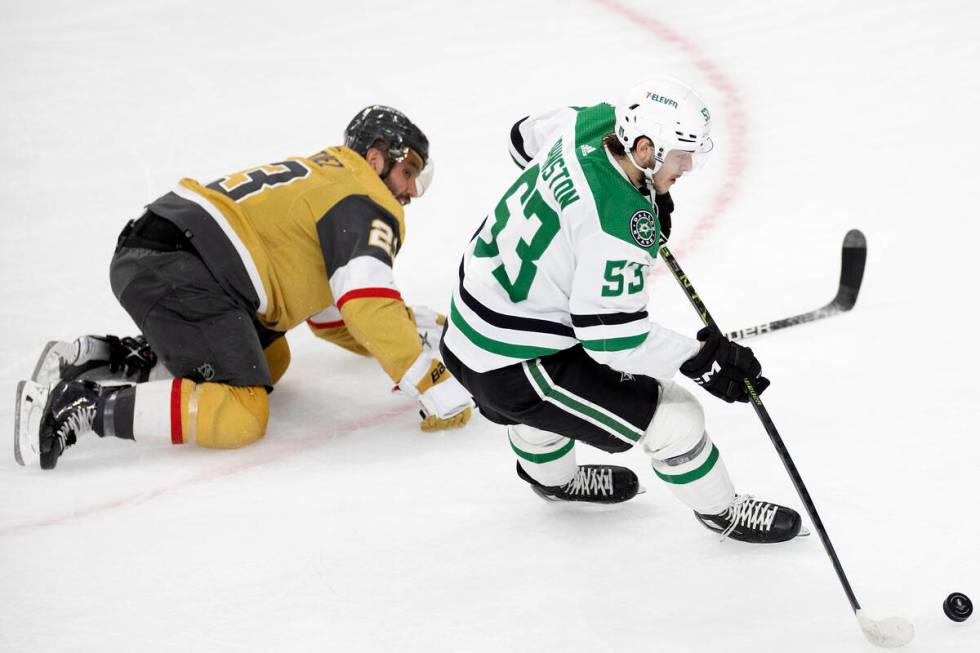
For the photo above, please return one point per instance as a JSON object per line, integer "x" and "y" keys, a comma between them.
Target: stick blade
{"x": 855, "y": 238}
{"x": 886, "y": 633}
{"x": 854, "y": 254}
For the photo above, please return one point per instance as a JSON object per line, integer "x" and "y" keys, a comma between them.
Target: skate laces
{"x": 590, "y": 480}
{"x": 750, "y": 513}
{"x": 79, "y": 421}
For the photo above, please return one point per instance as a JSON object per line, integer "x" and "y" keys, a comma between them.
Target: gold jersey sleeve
{"x": 340, "y": 336}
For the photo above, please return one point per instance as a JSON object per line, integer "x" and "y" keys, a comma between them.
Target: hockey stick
{"x": 853, "y": 255}
{"x": 889, "y": 633}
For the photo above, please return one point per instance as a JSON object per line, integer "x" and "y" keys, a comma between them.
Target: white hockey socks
{"x": 144, "y": 411}
{"x": 547, "y": 457}
{"x": 698, "y": 478}
{"x": 154, "y": 411}
{"x": 684, "y": 456}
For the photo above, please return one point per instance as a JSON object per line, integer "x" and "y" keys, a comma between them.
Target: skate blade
{"x": 48, "y": 368}
{"x": 804, "y": 532}
{"x": 552, "y": 499}
{"x": 29, "y": 409}
{"x": 546, "y": 497}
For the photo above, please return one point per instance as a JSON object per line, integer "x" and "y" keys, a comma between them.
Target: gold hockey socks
{"x": 211, "y": 415}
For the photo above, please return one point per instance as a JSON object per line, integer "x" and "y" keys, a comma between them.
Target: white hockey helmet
{"x": 669, "y": 113}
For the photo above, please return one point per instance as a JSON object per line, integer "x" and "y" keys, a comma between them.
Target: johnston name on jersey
{"x": 563, "y": 258}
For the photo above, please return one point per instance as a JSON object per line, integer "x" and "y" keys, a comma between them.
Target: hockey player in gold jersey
{"x": 215, "y": 274}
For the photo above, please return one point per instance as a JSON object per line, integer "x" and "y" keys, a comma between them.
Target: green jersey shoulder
{"x": 623, "y": 211}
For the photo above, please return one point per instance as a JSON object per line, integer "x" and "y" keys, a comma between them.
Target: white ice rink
{"x": 346, "y": 529}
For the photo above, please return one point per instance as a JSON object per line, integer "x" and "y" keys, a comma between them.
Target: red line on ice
{"x": 264, "y": 456}
{"x": 735, "y": 115}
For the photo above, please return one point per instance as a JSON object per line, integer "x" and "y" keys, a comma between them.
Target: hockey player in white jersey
{"x": 549, "y": 326}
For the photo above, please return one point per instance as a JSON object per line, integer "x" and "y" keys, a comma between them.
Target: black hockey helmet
{"x": 380, "y": 123}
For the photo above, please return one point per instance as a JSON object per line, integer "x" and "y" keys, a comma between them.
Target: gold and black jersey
{"x": 307, "y": 239}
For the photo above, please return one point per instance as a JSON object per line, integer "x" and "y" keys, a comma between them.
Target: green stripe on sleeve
{"x": 615, "y": 344}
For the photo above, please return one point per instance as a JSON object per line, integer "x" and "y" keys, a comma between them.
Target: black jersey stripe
{"x": 514, "y": 322}
{"x": 345, "y": 232}
{"x": 478, "y": 229}
{"x": 599, "y": 319}
{"x": 517, "y": 140}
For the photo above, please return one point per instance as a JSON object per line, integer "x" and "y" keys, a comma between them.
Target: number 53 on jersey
{"x": 522, "y": 229}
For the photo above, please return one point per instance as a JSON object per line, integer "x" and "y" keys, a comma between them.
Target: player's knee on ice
{"x": 278, "y": 357}
{"x": 229, "y": 417}
{"x": 677, "y": 426}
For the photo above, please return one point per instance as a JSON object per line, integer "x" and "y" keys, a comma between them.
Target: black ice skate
{"x": 592, "y": 483}
{"x": 751, "y": 520}
{"x": 47, "y": 420}
{"x": 98, "y": 357}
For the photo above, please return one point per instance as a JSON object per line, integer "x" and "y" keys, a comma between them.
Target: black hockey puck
{"x": 958, "y": 606}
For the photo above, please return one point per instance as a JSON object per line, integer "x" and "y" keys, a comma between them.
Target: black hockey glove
{"x": 665, "y": 206}
{"x": 721, "y": 366}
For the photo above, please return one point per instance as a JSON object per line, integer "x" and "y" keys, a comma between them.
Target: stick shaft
{"x": 803, "y": 318}
{"x": 767, "y": 423}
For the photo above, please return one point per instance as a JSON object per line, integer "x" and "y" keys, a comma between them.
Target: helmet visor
{"x": 689, "y": 160}
{"x": 424, "y": 180}
{"x": 422, "y": 173}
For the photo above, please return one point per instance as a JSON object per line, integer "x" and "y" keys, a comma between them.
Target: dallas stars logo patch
{"x": 643, "y": 228}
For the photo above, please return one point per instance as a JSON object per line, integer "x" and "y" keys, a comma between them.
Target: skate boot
{"x": 751, "y": 520}
{"x": 49, "y": 419}
{"x": 102, "y": 357}
{"x": 591, "y": 483}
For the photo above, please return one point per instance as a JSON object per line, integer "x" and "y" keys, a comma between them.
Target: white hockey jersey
{"x": 563, "y": 258}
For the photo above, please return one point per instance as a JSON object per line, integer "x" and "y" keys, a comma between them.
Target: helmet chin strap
{"x": 392, "y": 156}
{"x": 647, "y": 172}
{"x": 390, "y": 162}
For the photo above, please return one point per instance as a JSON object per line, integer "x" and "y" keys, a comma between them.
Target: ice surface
{"x": 346, "y": 529}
